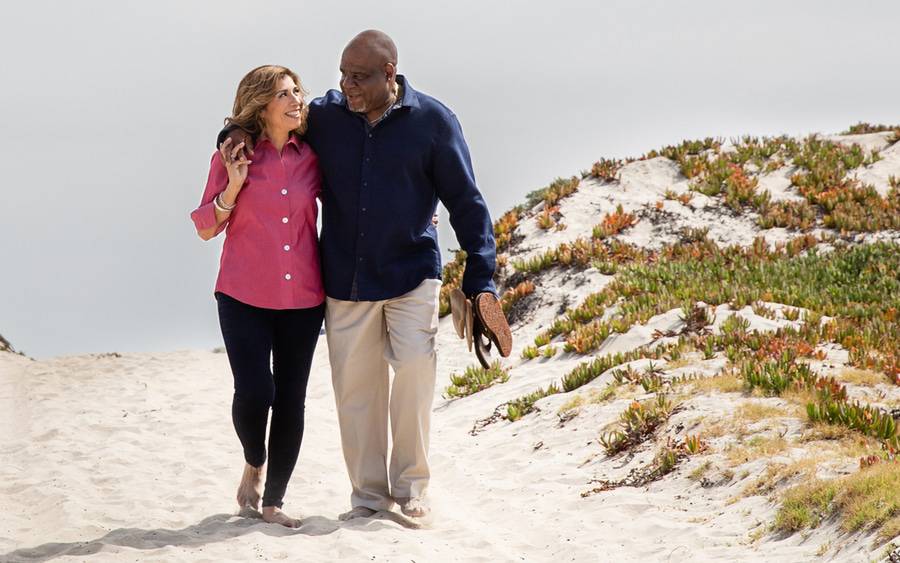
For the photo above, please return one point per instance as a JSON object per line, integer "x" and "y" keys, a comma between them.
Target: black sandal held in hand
{"x": 481, "y": 321}
{"x": 493, "y": 322}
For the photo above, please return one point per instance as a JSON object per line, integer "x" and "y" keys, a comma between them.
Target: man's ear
{"x": 390, "y": 71}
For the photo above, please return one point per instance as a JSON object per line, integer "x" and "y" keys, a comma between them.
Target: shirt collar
{"x": 410, "y": 97}
{"x": 292, "y": 140}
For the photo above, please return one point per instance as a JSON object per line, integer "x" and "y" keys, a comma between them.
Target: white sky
{"x": 110, "y": 109}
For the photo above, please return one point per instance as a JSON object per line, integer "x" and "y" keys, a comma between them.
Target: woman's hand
{"x": 236, "y": 163}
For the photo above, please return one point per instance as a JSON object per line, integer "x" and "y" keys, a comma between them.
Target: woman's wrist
{"x": 229, "y": 196}
{"x": 221, "y": 205}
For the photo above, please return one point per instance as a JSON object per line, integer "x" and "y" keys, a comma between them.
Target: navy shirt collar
{"x": 409, "y": 99}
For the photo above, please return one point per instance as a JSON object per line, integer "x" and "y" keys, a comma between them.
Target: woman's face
{"x": 285, "y": 111}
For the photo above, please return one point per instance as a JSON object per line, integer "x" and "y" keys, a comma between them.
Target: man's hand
{"x": 238, "y": 136}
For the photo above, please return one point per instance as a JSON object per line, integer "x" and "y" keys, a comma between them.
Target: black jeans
{"x": 252, "y": 335}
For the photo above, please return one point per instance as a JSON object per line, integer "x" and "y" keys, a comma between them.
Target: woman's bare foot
{"x": 250, "y": 489}
{"x": 274, "y": 515}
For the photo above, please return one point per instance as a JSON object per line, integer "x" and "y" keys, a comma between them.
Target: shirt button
{"x": 370, "y": 135}
{"x": 363, "y": 209}
{"x": 287, "y": 247}
{"x": 362, "y": 234}
{"x": 365, "y": 183}
{"x": 284, "y": 191}
{"x": 284, "y": 219}
{"x": 287, "y": 276}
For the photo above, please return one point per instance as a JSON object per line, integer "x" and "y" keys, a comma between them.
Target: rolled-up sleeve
{"x": 455, "y": 185}
{"x": 204, "y": 216}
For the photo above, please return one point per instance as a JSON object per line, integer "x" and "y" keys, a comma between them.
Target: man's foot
{"x": 274, "y": 515}
{"x": 415, "y": 507}
{"x": 357, "y": 512}
{"x": 250, "y": 489}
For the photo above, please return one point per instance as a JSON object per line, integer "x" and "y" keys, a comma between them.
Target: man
{"x": 388, "y": 153}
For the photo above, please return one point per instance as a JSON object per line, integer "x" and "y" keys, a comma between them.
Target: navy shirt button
{"x": 363, "y": 209}
{"x": 370, "y": 135}
{"x": 362, "y": 234}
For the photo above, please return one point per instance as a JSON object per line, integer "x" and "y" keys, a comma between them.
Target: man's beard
{"x": 359, "y": 107}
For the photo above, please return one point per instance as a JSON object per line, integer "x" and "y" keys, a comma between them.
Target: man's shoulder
{"x": 332, "y": 99}
{"x": 433, "y": 106}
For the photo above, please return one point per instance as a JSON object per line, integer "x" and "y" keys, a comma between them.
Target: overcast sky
{"x": 110, "y": 109}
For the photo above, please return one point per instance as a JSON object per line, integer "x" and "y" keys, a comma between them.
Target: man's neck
{"x": 378, "y": 113}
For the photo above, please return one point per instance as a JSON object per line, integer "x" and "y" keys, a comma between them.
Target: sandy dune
{"x": 133, "y": 457}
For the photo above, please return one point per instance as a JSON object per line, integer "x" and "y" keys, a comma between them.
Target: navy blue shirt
{"x": 380, "y": 189}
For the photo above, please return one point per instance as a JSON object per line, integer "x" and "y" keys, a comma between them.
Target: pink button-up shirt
{"x": 270, "y": 257}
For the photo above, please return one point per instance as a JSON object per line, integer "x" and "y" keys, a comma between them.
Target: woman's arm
{"x": 227, "y": 174}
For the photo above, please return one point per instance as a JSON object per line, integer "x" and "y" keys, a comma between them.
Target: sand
{"x": 133, "y": 457}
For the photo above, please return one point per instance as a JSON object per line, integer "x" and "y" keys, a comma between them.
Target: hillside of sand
{"x": 705, "y": 368}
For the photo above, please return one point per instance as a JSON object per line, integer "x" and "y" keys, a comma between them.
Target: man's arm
{"x": 455, "y": 184}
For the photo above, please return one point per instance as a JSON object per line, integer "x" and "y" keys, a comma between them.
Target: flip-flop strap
{"x": 482, "y": 350}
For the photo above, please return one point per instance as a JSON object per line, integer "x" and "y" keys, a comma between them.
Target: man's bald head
{"x": 377, "y": 44}
{"x": 369, "y": 73}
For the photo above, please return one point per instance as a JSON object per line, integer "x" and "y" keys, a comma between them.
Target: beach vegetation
{"x": 866, "y": 500}
{"x": 863, "y": 128}
{"x": 475, "y": 379}
{"x": 614, "y": 223}
{"x": 546, "y": 218}
{"x": 551, "y": 195}
{"x": 451, "y": 278}
{"x": 518, "y": 408}
{"x": 606, "y": 169}
{"x": 637, "y": 423}
{"x": 515, "y": 294}
{"x": 505, "y": 228}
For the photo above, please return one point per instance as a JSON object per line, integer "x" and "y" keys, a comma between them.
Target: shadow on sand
{"x": 215, "y": 528}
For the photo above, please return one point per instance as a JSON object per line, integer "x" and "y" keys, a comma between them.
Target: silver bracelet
{"x": 221, "y": 205}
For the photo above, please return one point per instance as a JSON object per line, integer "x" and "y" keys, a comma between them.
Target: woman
{"x": 269, "y": 289}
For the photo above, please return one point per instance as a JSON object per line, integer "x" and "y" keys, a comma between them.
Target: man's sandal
{"x": 491, "y": 323}
{"x": 458, "y": 311}
{"x": 463, "y": 315}
{"x": 480, "y": 321}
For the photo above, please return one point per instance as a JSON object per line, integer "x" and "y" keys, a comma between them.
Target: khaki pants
{"x": 364, "y": 338}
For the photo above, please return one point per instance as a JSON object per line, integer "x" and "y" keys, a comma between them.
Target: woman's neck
{"x": 277, "y": 138}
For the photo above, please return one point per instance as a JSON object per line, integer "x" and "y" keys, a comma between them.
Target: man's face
{"x": 365, "y": 81}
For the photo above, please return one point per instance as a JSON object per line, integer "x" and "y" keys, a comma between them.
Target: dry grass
{"x": 861, "y": 377}
{"x": 599, "y": 397}
{"x": 755, "y": 448}
{"x": 700, "y": 471}
{"x": 679, "y": 363}
{"x": 839, "y": 441}
{"x": 574, "y": 403}
{"x": 778, "y": 474}
{"x": 754, "y": 411}
{"x": 865, "y": 500}
{"x": 798, "y": 398}
{"x": 722, "y": 383}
